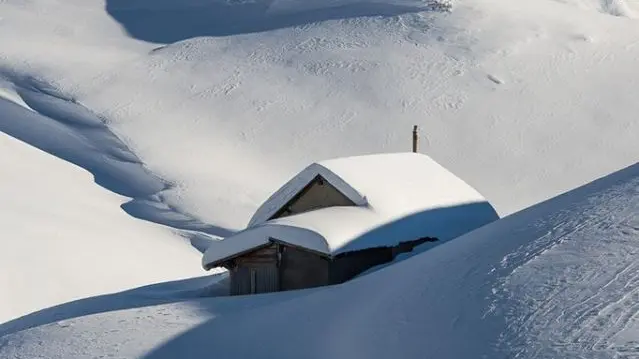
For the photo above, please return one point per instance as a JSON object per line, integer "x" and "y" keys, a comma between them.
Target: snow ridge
{"x": 61, "y": 126}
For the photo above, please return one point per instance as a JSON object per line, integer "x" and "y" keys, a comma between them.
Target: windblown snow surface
{"x": 189, "y": 113}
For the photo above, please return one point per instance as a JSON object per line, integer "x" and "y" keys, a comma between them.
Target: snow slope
{"x": 514, "y": 113}
{"x": 558, "y": 280}
{"x": 234, "y": 91}
{"x": 63, "y": 238}
{"x": 194, "y": 111}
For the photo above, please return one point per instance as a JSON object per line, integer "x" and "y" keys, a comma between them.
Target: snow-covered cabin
{"x": 338, "y": 218}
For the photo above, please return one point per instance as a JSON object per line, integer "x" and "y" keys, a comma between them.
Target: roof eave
{"x": 220, "y": 262}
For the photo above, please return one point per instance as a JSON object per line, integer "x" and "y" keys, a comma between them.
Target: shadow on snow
{"x": 64, "y": 128}
{"x": 169, "y": 21}
{"x": 324, "y": 315}
{"x": 155, "y": 294}
{"x": 408, "y": 227}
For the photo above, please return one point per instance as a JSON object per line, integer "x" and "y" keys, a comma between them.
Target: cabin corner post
{"x": 415, "y": 138}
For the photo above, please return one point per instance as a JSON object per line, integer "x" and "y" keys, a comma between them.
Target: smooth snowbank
{"x": 64, "y": 238}
{"x": 148, "y": 295}
{"x": 127, "y": 325}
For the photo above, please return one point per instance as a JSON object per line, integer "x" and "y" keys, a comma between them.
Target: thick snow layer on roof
{"x": 391, "y": 183}
{"x": 336, "y": 230}
{"x": 399, "y": 197}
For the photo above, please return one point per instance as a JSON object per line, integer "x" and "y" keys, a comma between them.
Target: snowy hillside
{"x": 63, "y": 238}
{"x": 558, "y": 280}
{"x": 522, "y": 99}
{"x": 159, "y": 125}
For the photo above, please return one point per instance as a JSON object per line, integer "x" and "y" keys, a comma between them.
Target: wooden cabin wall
{"x": 256, "y": 272}
{"x": 261, "y": 271}
{"x": 318, "y": 194}
{"x": 345, "y": 267}
{"x": 302, "y": 269}
{"x": 348, "y": 265}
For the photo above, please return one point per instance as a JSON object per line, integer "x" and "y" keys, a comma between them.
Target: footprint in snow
{"x": 495, "y": 79}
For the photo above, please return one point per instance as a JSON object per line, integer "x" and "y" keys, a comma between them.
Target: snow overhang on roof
{"x": 397, "y": 197}
{"x": 335, "y": 230}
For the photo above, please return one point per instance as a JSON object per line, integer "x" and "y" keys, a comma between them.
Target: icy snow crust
{"x": 398, "y": 197}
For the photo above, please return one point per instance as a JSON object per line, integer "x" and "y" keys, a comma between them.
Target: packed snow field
{"x": 135, "y": 132}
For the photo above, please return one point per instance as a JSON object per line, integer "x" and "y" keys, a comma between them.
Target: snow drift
{"x": 63, "y": 238}
{"x": 558, "y": 280}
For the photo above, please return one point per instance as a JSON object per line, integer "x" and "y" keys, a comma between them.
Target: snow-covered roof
{"x": 390, "y": 182}
{"x": 397, "y": 197}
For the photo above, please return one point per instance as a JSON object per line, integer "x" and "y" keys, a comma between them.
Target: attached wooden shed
{"x": 279, "y": 266}
{"x": 339, "y": 218}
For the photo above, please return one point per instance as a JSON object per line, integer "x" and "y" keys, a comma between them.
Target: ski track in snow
{"x": 61, "y": 126}
{"x": 601, "y": 319}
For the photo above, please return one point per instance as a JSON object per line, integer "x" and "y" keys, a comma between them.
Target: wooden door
{"x": 265, "y": 279}
{"x": 254, "y": 280}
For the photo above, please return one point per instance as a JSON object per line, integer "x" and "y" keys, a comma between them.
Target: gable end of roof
{"x": 293, "y": 189}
